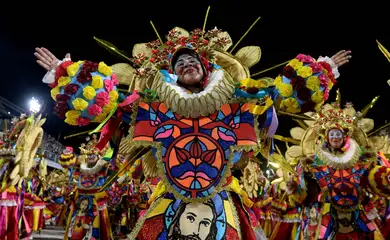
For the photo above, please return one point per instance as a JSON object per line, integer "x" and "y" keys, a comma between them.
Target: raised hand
{"x": 46, "y": 59}
{"x": 342, "y": 57}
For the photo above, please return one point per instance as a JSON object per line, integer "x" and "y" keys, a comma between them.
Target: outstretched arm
{"x": 50, "y": 63}
{"x": 84, "y": 91}
{"x": 305, "y": 83}
{"x": 303, "y": 86}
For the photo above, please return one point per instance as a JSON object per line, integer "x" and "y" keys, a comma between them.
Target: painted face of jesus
{"x": 196, "y": 220}
{"x": 84, "y": 205}
{"x": 189, "y": 70}
{"x": 336, "y": 138}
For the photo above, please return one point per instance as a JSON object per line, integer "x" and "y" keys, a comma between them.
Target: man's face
{"x": 336, "y": 138}
{"x": 189, "y": 70}
{"x": 196, "y": 220}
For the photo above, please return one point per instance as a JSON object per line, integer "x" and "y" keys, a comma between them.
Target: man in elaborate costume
{"x": 88, "y": 211}
{"x": 195, "y": 105}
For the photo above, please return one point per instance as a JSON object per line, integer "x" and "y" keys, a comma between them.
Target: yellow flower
{"x": 295, "y": 63}
{"x": 313, "y": 83}
{"x": 89, "y": 92}
{"x": 99, "y": 118}
{"x": 80, "y": 104}
{"x": 104, "y": 69}
{"x": 54, "y": 92}
{"x": 73, "y": 114}
{"x": 330, "y": 84}
{"x": 318, "y": 96}
{"x": 278, "y": 81}
{"x": 72, "y": 69}
{"x": 285, "y": 89}
{"x": 108, "y": 107}
{"x": 113, "y": 96}
{"x": 291, "y": 105}
{"x": 71, "y": 117}
{"x": 97, "y": 82}
{"x": 72, "y": 122}
{"x": 80, "y": 62}
{"x": 305, "y": 71}
{"x": 319, "y": 105}
{"x": 63, "y": 81}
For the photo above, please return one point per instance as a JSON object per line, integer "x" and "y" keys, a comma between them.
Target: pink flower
{"x": 326, "y": 94}
{"x": 108, "y": 85}
{"x": 323, "y": 80}
{"x": 102, "y": 99}
{"x": 83, "y": 121}
{"x": 304, "y": 58}
{"x": 94, "y": 110}
{"x": 315, "y": 67}
{"x": 114, "y": 80}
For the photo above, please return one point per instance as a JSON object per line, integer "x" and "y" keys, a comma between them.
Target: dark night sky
{"x": 283, "y": 32}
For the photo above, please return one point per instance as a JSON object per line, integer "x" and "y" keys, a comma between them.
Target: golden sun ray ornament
{"x": 386, "y": 53}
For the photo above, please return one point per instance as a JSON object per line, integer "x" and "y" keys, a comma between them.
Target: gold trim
{"x": 157, "y": 145}
{"x": 202, "y": 105}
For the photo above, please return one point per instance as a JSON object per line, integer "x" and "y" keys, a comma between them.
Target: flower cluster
{"x": 304, "y": 84}
{"x": 198, "y": 40}
{"x": 84, "y": 92}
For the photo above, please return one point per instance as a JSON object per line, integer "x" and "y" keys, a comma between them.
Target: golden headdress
{"x": 331, "y": 116}
{"x": 90, "y": 147}
{"x": 213, "y": 45}
{"x": 314, "y": 125}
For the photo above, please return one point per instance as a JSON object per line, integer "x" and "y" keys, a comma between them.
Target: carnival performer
{"x": 119, "y": 194}
{"x": 345, "y": 168}
{"x": 88, "y": 211}
{"x": 199, "y": 113}
{"x": 17, "y": 155}
{"x": 34, "y": 204}
{"x": 59, "y": 188}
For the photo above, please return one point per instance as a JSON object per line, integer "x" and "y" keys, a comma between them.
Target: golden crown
{"x": 331, "y": 116}
{"x": 90, "y": 147}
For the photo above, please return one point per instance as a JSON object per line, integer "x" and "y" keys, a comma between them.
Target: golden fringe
{"x": 197, "y": 106}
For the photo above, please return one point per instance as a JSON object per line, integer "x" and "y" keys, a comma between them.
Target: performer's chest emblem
{"x": 194, "y": 152}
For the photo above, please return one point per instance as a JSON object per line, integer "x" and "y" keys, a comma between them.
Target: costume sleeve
{"x": 304, "y": 84}
{"x": 86, "y": 92}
